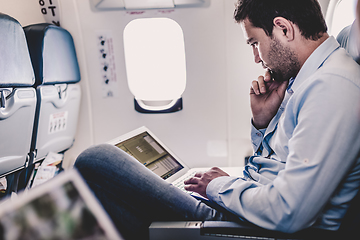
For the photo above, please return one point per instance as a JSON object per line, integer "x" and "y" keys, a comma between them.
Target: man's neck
{"x": 309, "y": 46}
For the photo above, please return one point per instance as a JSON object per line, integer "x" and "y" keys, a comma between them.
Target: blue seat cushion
{"x": 15, "y": 66}
{"x": 52, "y": 54}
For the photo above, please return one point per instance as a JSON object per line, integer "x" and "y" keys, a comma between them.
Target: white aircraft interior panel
{"x": 342, "y": 15}
{"x": 213, "y": 46}
{"x": 25, "y": 12}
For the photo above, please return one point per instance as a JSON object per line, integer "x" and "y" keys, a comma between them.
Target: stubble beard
{"x": 284, "y": 61}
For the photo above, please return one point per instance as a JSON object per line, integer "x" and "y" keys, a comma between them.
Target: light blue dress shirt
{"x": 306, "y": 165}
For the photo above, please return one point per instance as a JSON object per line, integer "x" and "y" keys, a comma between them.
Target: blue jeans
{"x": 133, "y": 196}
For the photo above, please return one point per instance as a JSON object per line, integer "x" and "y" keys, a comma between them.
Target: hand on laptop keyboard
{"x": 200, "y": 180}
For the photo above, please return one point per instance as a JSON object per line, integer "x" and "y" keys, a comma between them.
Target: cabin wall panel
{"x": 25, "y": 11}
{"x": 204, "y": 119}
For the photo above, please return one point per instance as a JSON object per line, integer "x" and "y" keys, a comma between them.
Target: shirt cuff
{"x": 256, "y": 137}
{"x": 216, "y": 186}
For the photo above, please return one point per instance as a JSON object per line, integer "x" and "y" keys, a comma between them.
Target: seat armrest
{"x": 221, "y": 230}
{"x": 246, "y": 230}
{"x": 242, "y": 230}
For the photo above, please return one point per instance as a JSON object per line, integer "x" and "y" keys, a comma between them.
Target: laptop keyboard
{"x": 179, "y": 183}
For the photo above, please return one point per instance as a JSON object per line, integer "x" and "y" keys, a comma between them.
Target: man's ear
{"x": 284, "y": 28}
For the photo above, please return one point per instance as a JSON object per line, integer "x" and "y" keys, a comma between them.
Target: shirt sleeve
{"x": 322, "y": 149}
{"x": 256, "y": 138}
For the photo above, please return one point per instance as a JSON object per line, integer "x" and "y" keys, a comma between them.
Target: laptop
{"x": 144, "y": 146}
{"x": 62, "y": 208}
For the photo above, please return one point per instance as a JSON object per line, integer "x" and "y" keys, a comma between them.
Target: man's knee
{"x": 98, "y": 156}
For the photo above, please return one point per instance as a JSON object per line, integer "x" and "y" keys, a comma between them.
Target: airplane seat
{"x": 57, "y": 77}
{"x": 17, "y": 100}
{"x": 221, "y": 230}
{"x": 348, "y": 39}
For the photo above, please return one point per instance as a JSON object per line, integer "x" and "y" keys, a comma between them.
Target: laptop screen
{"x": 149, "y": 152}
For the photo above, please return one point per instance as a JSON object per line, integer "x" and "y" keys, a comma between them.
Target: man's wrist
{"x": 259, "y": 125}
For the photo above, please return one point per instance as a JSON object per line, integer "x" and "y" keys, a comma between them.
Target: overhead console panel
{"x": 103, "y": 5}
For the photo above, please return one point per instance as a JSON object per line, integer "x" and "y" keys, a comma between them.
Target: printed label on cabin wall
{"x": 106, "y": 55}
{"x": 50, "y": 10}
{"x": 58, "y": 122}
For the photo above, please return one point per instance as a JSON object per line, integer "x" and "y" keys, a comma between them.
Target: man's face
{"x": 280, "y": 60}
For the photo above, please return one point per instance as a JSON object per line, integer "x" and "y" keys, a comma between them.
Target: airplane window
{"x": 155, "y": 61}
{"x": 344, "y": 15}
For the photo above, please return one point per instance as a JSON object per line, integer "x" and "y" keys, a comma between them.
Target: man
{"x": 301, "y": 127}
{"x": 306, "y": 165}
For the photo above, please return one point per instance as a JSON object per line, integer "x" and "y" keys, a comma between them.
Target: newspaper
{"x": 48, "y": 168}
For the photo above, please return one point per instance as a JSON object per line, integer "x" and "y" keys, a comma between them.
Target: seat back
{"x": 57, "y": 75}
{"x": 348, "y": 38}
{"x": 18, "y": 98}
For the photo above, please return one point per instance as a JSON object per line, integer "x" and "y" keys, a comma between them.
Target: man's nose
{"x": 256, "y": 55}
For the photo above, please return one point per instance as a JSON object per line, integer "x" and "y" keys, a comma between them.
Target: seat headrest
{"x": 15, "y": 64}
{"x": 52, "y": 54}
{"x": 348, "y": 38}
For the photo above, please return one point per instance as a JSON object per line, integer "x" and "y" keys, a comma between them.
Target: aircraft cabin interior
{"x": 76, "y": 73}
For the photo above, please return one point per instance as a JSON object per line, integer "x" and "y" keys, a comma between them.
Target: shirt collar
{"x": 315, "y": 61}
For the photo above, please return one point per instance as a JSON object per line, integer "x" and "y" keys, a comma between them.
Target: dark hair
{"x": 306, "y": 14}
